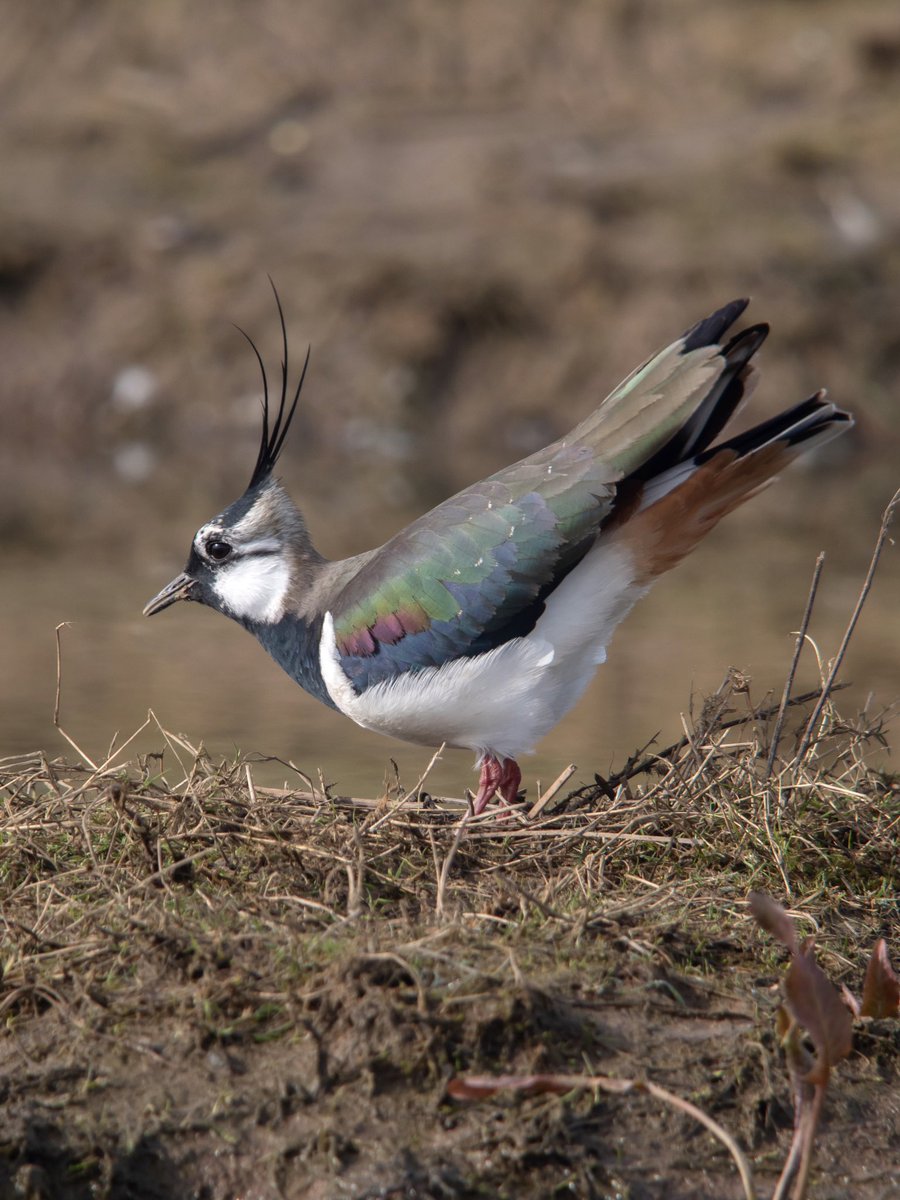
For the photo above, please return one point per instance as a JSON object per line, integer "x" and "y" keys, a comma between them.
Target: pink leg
{"x": 490, "y": 779}
{"x": 509, "y": 781}
{"x": 497, "y": 777}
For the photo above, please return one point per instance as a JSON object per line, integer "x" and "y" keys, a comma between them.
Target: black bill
{"x": 181, "y": 588}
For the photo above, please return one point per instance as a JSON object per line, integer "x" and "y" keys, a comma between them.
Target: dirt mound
{"x": 214, "y": 990}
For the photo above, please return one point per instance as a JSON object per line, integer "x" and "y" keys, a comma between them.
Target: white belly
{"x": 502, "y": 702}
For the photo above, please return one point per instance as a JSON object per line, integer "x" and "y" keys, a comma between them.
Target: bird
{"x": 480, "y": 624}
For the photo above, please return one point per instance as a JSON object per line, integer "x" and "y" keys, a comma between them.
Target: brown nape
{"x": 660, "y": 536}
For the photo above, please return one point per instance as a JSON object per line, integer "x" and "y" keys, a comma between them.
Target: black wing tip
{"x": 793, "y": 427}
{"x": 709, "y": 331}
{"x": 272, "y": 439}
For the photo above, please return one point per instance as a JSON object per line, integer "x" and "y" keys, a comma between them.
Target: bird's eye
{"x": 217, "y": 550}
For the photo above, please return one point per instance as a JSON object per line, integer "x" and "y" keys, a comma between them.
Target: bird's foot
{"x": 497, "y": 778}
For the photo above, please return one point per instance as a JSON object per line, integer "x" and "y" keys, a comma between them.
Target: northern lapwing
{"x": 481, "y": 624}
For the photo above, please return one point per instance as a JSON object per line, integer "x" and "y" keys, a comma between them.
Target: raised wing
{"x": 475, "y": 571}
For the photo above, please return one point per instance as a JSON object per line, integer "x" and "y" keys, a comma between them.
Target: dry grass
{"x": 170, "y": 902}
{"x": 101, "y": 865}
{"x": 190, "y": 960}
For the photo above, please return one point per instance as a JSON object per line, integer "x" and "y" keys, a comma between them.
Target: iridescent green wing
{"x": 475, "y": 571}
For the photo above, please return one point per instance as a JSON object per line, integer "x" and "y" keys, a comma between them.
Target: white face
{"x": 254, "y": 586}
{"x": 251, "y": 579}
{"x": 248, "y": 555}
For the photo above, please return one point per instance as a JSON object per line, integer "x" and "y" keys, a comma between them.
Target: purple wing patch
{"x": 389, "y": 629}
{"x": 360, "y": 642}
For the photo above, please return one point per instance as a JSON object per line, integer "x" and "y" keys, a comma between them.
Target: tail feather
{"x": 796, "y": 425}
{"x": 684, "y": 502}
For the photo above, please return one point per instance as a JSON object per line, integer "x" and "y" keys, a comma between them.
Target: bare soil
{"x": 219, "y": 991}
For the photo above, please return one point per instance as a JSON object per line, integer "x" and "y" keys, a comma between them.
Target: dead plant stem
{"x": 828, "y": 685}
{"x": 444, "y": 873}
{"x": 90, "y": 762}
{"x": 789, "y": 682}
{"x": 685, "y": 1106}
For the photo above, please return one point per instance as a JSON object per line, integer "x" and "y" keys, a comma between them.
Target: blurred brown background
{"x": 481, "y": 215}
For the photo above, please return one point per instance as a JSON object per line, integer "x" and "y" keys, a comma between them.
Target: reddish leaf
{"x": 851, "y": 1001}
{"x": 881, "y": 990}
{"x": 482, "y": 1087}
{"x": 774, "y": 919}
{"x": 815, "y": 1003}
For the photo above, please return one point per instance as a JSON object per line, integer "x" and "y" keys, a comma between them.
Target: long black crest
{"x": 273, "y": 435}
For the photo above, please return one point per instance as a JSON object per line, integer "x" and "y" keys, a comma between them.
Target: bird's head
{"x": 247, "y": 561}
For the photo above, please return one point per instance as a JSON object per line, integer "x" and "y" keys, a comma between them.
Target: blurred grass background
{"x": 481, "y": 216}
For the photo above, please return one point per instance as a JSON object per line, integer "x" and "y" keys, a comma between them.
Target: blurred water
{"x": 734, "y": 602}
{"x": 480, "y": 225}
